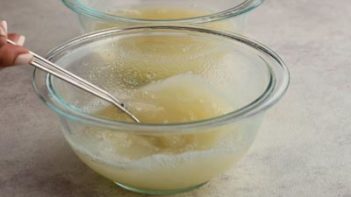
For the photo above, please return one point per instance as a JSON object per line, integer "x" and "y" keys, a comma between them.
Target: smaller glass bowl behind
{"x": 227, "y": 15}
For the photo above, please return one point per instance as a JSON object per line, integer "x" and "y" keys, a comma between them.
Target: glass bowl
{"x": 200, "y": 94}
{"x": 227, "y": 15}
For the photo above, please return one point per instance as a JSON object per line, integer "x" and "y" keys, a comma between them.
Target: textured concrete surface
{"x": 303, "y": 148}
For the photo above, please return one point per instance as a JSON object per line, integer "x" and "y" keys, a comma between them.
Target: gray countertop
{"x": 303, "y": 147}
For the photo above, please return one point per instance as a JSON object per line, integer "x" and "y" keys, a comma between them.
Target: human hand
{"x": 12, "y": 54}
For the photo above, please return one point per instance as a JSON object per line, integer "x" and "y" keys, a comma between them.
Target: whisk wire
{"x": 65, "y": 75}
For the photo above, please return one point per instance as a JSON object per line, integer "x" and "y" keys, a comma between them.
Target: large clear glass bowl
{"x": 227, "y": 15}
{"x": 161, "y": 158}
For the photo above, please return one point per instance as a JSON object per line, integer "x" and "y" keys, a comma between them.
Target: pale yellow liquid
{"x": 163, "y": 13}
{"x": 177, "y": 99}
{"x": 167, "y": 161}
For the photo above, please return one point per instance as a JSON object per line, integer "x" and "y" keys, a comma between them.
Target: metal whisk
{"x": 59, "y": 72}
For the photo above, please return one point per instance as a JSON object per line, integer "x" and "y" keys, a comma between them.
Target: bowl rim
{"x": 239, "y": 9}
{"x": 273, "y": 93}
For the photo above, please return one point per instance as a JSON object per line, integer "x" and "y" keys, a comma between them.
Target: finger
{"x": 12, "y": 55}
{"x": 3, "y": 32}
{"x": 18, "y": 39}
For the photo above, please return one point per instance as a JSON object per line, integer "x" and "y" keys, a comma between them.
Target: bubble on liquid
{"x": 150, "y": 75}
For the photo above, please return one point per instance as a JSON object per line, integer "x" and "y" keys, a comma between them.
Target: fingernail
{"x": 24, "y": 58}
{"x": 3, "y": 28}
{"x": 4, "y": 24}
{"x": 21, "y": 40}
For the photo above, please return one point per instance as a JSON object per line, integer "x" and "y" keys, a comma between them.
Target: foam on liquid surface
{"x": 145, "y": 160}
